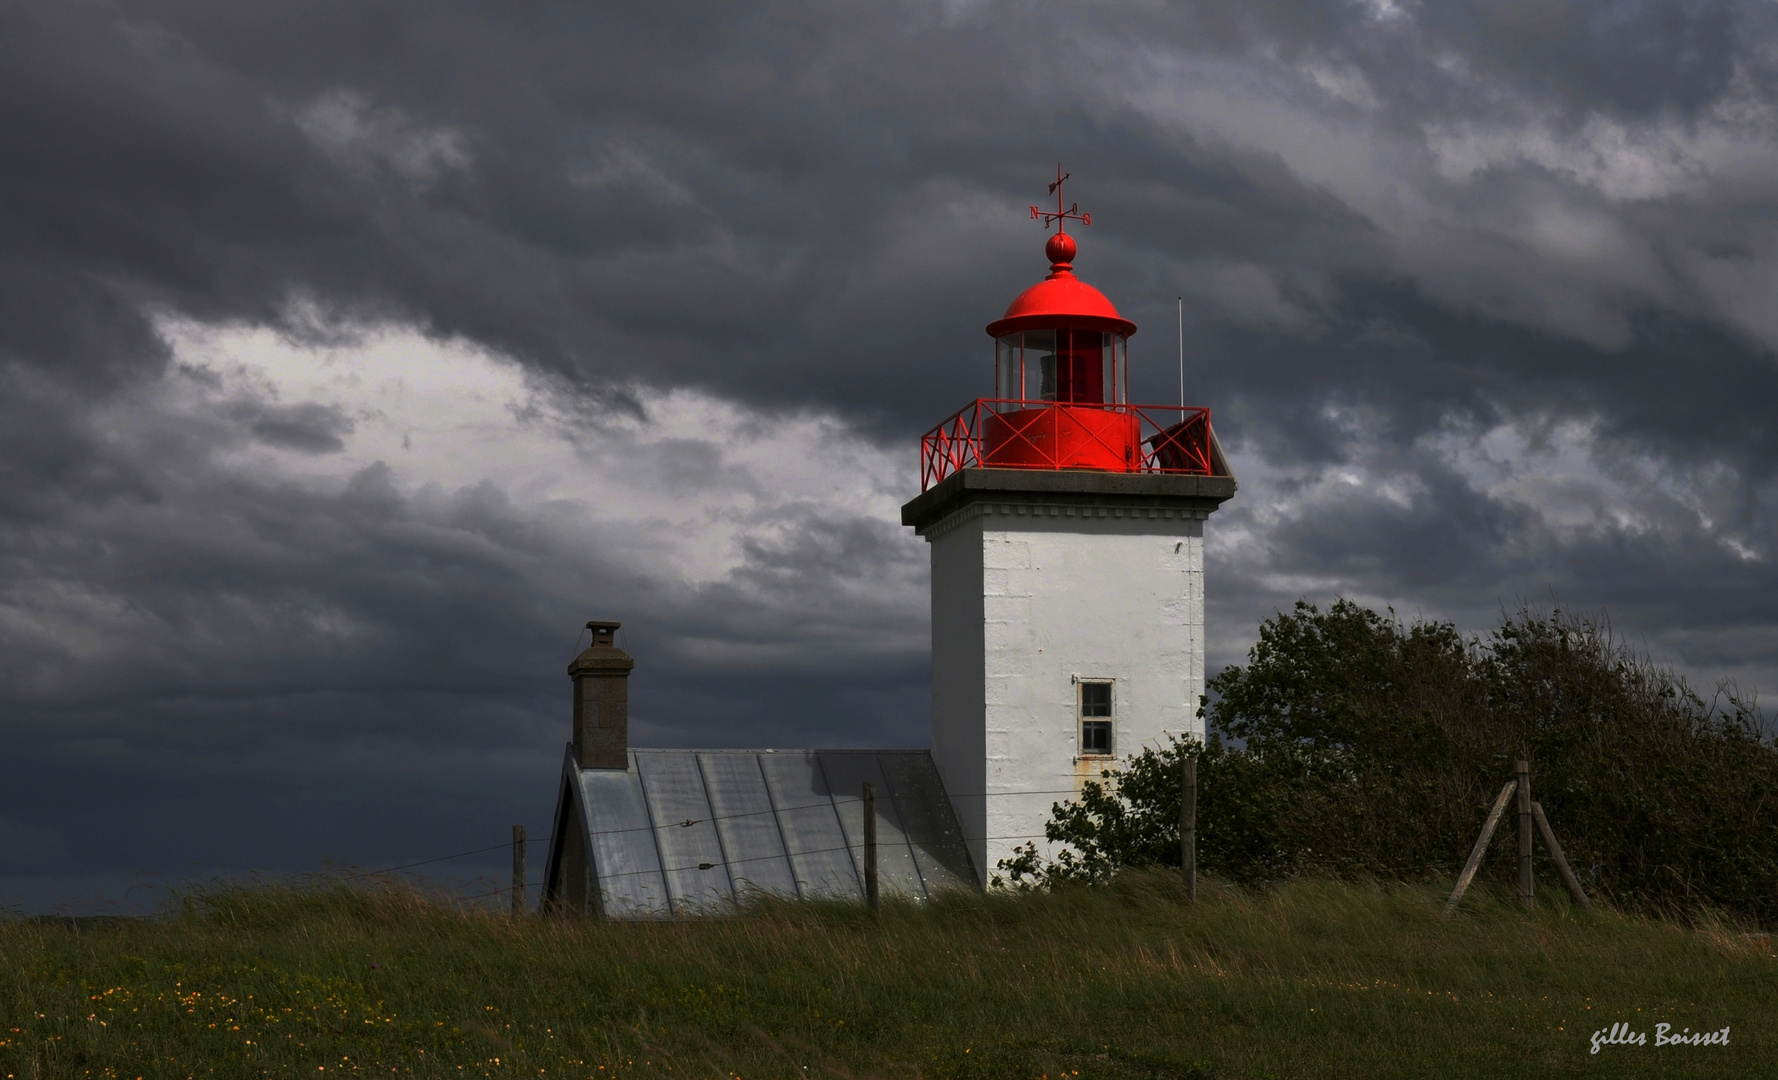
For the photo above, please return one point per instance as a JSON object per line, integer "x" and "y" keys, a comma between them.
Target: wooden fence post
{"x": 1524, "y": 771}
{"x": 518, "y": 869}
{"x": 1555, "y": 850}
{"x": 1188, "y": 826}
{"x": 1481, "y": 847}
{"x": 871, "y": 899}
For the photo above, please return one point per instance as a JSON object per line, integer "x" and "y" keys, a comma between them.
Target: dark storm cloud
{"x": 1397, "y": 228}
{"x": 247, "y": 669}
{"x": 613, "y": 194}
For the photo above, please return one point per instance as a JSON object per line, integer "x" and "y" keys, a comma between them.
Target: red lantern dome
{"x": 1061, "y": 300}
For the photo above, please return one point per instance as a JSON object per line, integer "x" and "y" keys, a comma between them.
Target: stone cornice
{"x": 601, "y": 660}
{"x": 971, "y": 493}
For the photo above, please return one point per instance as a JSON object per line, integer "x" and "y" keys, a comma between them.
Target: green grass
{"x": 1312, "y": 980}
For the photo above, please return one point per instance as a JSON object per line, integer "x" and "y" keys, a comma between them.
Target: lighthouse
{"x": 1066, "y": 529}
{"x": 1066, "y": 526}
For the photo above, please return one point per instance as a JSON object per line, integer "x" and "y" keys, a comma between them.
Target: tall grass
{"x": 1122, "y": 980}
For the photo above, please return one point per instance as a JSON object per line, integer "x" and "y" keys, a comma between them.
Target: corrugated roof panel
{"x": 847, "y": 774}
{"x": 695, "y": 868}
{"x": 624, "y": 858}
{"x": 747, "y": 824}
{"x": 930, "y": 823}
{"x": 819, "y": 854}
{"x": 787, "y": 823}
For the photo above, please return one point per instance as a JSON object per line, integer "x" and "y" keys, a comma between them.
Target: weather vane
{"x": 1060, "y": 215}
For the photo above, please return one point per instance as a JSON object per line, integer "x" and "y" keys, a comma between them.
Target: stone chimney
{"x": 601, "y": 677}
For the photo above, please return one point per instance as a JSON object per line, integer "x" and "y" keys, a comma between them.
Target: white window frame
{"x": 1081, "y": 719}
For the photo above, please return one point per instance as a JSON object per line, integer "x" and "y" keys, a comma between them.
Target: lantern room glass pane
{"x": 1080, "y": 367}
{"x": 1040, "y": 365}
{"x": 1009, "y": 377}
{"x": 1120, "y": 345}
{"x": 1107, "y": 370}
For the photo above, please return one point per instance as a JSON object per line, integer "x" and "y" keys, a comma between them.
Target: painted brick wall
{"x": 1024, "y": 606}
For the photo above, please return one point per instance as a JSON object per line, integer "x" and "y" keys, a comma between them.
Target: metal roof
{"x": 688, "y": 832}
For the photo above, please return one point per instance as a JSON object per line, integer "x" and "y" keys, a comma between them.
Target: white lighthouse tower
{"x": 1067, "y": 531}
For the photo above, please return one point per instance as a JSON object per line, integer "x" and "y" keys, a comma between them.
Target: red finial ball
{"x": 1060, "y": 248}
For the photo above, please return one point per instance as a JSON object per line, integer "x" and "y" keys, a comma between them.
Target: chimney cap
{"x": 602, "y": 657}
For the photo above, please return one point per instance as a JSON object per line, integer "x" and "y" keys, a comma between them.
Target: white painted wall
{"x": 1022, "y": 606}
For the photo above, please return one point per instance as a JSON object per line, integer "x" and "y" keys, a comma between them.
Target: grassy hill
{"x": 1312, "y": 980}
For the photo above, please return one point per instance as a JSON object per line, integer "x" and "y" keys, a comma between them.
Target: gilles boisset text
{"x": 1621, "y": 1035}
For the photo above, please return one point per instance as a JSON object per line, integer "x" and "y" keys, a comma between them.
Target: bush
{"x": 1354, "y": 745}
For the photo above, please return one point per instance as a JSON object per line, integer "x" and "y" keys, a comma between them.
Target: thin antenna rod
{"x": 1182, "y": 352}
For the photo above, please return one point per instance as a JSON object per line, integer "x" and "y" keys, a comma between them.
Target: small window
{"x": 1095, "y": 719}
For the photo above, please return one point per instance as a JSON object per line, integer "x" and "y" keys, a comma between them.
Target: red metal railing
{"x": 1005, "y": 433}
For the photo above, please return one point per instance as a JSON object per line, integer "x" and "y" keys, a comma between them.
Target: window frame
{"x": 1108, "y": 719}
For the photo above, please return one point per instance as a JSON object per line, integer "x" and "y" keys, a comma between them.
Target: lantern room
{"x": 1062, "y": 387}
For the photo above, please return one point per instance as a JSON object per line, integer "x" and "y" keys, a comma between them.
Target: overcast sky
{"x": 354, "y": 354}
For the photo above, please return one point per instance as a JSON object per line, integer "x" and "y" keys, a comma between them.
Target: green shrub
{"x": 1355, "y": 745}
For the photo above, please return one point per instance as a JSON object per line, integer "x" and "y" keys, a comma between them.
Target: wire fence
{"x": 728, "y": 864}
